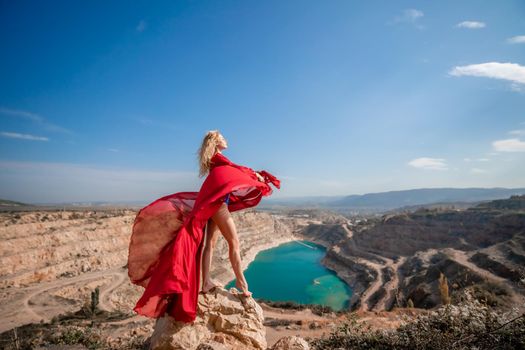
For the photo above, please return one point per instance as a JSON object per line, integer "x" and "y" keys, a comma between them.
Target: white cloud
{"x": 478, "y": 171}
{"x": 14, "y": 135}
{"x": 141, "y": 26}
{"x": 471, "y": 25}
{"x": 23, "y": 114}
{"x": 509, "y": 145}
{"x": 412, "y": 14}
{"x": 506, "y": 71}
{"x": 34, "y": 118}
{"x": 408, "y": 16}
{"x": 520, "y": 39}
{"x": 476, "y": 160}
{"x": 429, "y": 163}
{"x": 517, "y": 132}
{"x": 113, "y": 150}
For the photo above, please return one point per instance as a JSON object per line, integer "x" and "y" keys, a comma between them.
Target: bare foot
{"x": 243, "y": 289}
{"x": 209, "y": 285}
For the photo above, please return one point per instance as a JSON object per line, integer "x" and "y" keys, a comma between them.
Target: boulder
{"x": 225, "y": 320}
{"x": 291, "y": 343}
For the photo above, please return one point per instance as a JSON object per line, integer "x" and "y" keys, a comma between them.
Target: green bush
{"x": 89, "y": 337}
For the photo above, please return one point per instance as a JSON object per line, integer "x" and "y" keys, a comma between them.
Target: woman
{"x": 222, "y": 220}
{"x": 167, "y": 239}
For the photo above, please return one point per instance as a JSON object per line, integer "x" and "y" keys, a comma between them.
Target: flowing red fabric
{"x": 167, "y": 238}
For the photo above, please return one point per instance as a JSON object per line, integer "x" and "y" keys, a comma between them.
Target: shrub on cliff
{"x": 443, "y": 289}
{"x": 468, "y": 325}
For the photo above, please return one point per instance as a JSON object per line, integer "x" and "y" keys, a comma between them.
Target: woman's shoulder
{"x": 218, "y": 156}
{"x": 219, "y": 159}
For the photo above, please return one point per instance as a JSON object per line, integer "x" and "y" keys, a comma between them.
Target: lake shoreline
{"x": 303, "y": 278}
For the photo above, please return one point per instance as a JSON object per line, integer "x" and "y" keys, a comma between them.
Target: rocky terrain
{"x": 390, "y": 260}
{"x": 51, "y": 262}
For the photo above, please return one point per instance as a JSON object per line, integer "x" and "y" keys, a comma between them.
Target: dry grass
{"x": 469, "y": 325}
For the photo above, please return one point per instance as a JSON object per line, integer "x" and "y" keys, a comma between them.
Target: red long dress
{"x": 167, "y": 238}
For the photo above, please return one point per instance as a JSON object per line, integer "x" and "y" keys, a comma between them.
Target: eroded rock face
{"x": 66, "y": 254}
{"x": 224, "y": 320}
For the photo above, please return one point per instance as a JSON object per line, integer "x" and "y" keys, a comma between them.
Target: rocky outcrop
{"x": 224, "y": 320}
{"x": 46, "y": 246}
{"x": 325, "y": 234}
{"x": 291, "y": 343}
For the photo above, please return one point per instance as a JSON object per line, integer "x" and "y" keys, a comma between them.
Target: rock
{"x": 171, "y": 334}
{"x": 212, "y": 345}
{"x": 291, "y": 343}
{"x": 314, "y": 325}
{"x": 225, "y": 320}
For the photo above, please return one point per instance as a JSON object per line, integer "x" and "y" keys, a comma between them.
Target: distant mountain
{"x": 384, "y": 201}
{"x": 8, "y": 203}
{"x": 311, "y": 201}
{"x": 396, "y": 199}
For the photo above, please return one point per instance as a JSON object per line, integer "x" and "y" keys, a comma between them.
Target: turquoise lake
{"x": 292, "y": 271}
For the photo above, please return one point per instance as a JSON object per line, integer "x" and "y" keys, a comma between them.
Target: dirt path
{"x": 391, "y": 286}
{"x": 461, "y": 257}
{"x": 374, "y": 286}
{"x": 35, "y": 303}
{"x": 306, "y": 245}
{"x": 323, "y": 325}
{"x": 378, "y": 282}
{"x": 305, "y": 315}
{"x": 349, "y": 233}
{"x": 104, "y": 297}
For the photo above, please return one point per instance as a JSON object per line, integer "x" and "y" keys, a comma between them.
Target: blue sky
{"x": 110, "y": 100}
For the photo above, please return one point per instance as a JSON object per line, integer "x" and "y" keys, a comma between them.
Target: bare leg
{"x": 225, "y": 222}
{"x": 212, "y": 234}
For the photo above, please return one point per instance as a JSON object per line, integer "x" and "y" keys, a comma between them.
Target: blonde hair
{"x": 207, "y": 150}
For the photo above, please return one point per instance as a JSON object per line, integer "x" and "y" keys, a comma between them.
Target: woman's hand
{"x": 259, "y": 176}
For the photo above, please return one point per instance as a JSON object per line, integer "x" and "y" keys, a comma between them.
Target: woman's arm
{"x": 259, "y": 176}
{"x": 247, "y": 170}
{"x": 262, "y": 175}
{"x": 267, "y": 177}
